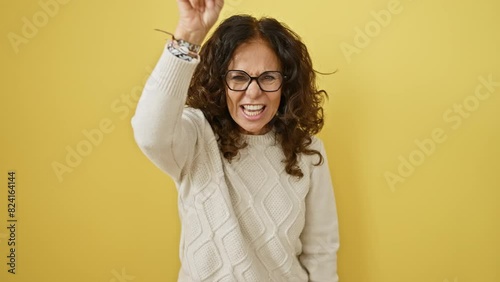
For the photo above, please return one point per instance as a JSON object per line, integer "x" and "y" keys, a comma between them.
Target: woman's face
{"x": 253, "y": 108}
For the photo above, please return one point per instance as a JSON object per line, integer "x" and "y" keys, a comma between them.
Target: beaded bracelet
{"x": 181, "y": 48}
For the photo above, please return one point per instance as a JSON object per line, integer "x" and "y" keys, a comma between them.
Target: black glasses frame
{"x": 256, "y": 78}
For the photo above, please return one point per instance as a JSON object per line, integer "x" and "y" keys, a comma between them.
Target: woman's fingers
{"x": 184, "y": 6}
{"x": 216, "y": 5}
{"x": 196, "y": 18}
{"x": 198, "y": 5}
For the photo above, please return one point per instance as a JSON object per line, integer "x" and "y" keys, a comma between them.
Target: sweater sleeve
{"x": 160, "y": 130}
{"x": 320, "y": 237}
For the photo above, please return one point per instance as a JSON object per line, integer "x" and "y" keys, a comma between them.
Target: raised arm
{"x": 161, "y": 130}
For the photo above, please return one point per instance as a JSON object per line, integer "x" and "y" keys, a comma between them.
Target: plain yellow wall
{"x": 412, "y": 133}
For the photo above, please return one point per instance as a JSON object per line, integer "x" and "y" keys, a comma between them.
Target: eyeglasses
{"x": 269, "y": 81}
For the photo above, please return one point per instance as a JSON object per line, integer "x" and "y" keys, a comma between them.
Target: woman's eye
{"x": 269, "y": 78}
{"x": 239, "y": 78}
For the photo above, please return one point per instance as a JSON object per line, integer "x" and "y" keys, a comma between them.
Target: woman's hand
{"x": 196, "y": 17}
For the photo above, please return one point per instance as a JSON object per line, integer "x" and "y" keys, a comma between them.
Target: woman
{"x": 255, "y": 197}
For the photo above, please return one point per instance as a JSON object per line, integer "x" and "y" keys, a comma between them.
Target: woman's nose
{"x": 253, "y": 89}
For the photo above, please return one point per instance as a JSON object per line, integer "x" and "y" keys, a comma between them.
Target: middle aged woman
{"x": 234, "y": 126}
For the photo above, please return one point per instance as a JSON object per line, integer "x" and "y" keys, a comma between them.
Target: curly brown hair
{"x": 300, "y": 113}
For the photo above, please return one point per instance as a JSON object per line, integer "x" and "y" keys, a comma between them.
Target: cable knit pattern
{"x": 247, "y": 220}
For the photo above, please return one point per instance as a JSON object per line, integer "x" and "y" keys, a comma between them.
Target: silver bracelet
{"x": 180, "y": 52}
{"x": 181, "y": 48}
{"x": 189, "y": 47}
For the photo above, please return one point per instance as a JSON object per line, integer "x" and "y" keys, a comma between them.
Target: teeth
{"x": 253, "y": 107}
{"x": 253, "y": 110}
{"x": 251, "y": 113}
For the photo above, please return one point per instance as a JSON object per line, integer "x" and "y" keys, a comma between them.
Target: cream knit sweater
{"x": 247, "y": 220}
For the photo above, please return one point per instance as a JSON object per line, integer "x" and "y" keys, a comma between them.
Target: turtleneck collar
{"x": 264, "y": 139}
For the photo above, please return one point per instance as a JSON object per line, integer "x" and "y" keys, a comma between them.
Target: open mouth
{"x": 253, "y": 110}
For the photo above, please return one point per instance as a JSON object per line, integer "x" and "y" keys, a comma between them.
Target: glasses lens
{"x": 270, "y": 80}
{"x": 237, "y": 80}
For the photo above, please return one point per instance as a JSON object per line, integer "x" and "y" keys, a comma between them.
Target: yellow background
{"x": 114, "y": 215}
